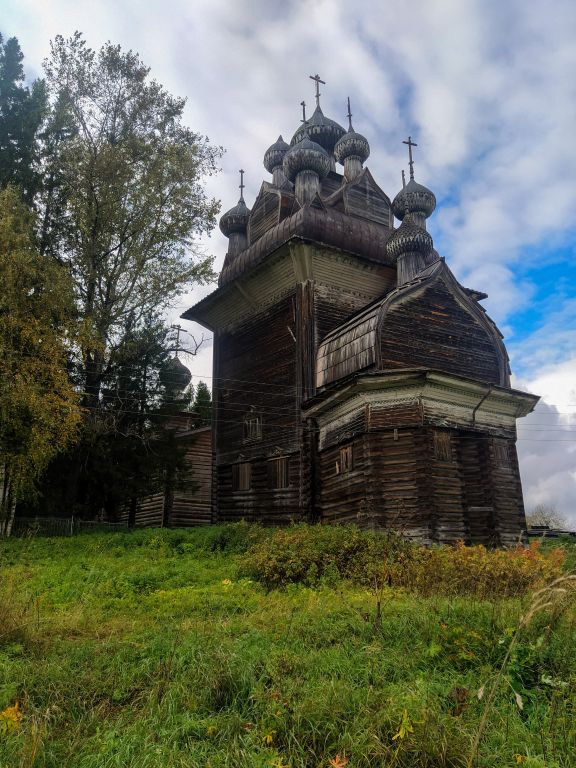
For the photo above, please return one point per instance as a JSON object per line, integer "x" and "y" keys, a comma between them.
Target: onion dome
{"x": 352, "y": 144}
{"x": 307, "y": 155}
{"x": 414, "y": 198}
{"x": 409, "y": 238}
{"x": 275, "y": 154}
{"x": 321, "y": 130}
{"x": 236, "y": 219}
{"x": 175, "y": 376}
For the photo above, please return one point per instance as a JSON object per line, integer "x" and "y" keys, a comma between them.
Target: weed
{"x": 153, "y": 648}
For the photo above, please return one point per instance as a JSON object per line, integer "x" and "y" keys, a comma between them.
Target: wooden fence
{"x": 60, "y": 526}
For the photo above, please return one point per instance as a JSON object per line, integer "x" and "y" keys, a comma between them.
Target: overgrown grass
{"x": 156, "y": 648}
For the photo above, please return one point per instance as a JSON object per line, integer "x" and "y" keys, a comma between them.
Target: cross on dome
{"x": 317, "y": 80}
{"x": 410, "y": 161}
{"x": 241, "y": 185}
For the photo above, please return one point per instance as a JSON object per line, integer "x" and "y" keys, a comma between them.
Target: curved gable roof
{"x": 356, "y": 344}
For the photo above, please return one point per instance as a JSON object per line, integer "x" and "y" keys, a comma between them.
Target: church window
{"x": 443, "y": 446}
{"x": 252, "y": 427}
{"x": 502, "y": 454}
{"x": 242, "y": 476}
{"x": 278, "y": 472}
{"x": 345, "y": 462}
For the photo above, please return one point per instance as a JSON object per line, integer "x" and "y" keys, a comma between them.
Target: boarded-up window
{"x": 278, "y": 472}
{"x": 443, "y": 446}
{"x": 502, "y": 454}
{"x": 345, "y": 462}
{"x": 253, "y": 427}
{"x": 241, "y": 476}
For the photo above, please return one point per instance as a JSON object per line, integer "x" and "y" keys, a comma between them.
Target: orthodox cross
{"x": 349, "y": 115}
{"x": 317, "y": 80}
{"x": 411, "y": 161}
{"x": 303, "y": 105}
{"x": 241, "y": 172}
{"x": 178, "y": 328}
{"x": 403, "y": 179}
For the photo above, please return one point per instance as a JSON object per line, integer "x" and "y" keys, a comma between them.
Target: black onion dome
{"x": 307, "y": 155}
{"x": 274, "y": 155}
{"x": 352, "y": 144}
{"x": 236, "y": 219}
{"x": 414, "y": 198}
{"x": 409, "y": 238}
{"x": 175, "y": 376}
{"x": 321, "y": 129}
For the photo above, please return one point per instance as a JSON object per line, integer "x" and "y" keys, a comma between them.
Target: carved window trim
{"x": 278, "y": 473}
{"x": 443, "y": 449}
{"x": 345, "y": 460}
{"x": 252, "y": 428}
{"x": 502, "y": 454}
{"x": 242, "y": 476}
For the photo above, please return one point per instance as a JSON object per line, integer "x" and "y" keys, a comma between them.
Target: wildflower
{"x": 339, "y": 761}
{"x": 520, "y": 758}
{"x": 226, "y": 582}
{"x": 10, "y": 718}
{"x": 268, "y": 738}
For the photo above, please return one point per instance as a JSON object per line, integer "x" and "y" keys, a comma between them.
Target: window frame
{"x": 241, "y": 476}
{"x": 279, "y": 469}
{"x": 345, "y": 460}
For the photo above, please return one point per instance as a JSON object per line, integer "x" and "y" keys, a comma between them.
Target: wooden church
{"x": 355, "y": 379}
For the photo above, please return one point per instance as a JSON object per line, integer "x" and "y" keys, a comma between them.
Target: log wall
{"x": 260, "y": 503}
{"x": 433, "y": 484}
{"x": 431, "y": 329}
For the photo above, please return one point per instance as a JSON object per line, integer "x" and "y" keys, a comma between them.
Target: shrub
{"x": 308, "y": 554}
{"x": 233, "y": 538}
{"x": 477, "y": 571}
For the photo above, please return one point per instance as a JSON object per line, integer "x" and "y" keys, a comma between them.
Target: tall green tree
{"x": 39, "y": 411}
{"x": 202, "y": 406}
{"x": 123, "y": 207}
{"x": 22, "y": 111}
{"x": 131, "y": 202}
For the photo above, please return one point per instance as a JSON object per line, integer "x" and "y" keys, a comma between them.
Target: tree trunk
{"x": 7, "y": 500}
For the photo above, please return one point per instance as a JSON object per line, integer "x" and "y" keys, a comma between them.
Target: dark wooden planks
{"x": 431, "y": 329}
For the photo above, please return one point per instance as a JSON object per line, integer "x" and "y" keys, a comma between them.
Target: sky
{"x": 486, "y": 88}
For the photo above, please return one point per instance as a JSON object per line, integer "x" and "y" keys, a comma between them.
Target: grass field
{"x": 151, "y": 649}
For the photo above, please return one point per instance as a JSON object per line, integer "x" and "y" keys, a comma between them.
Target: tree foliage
{"x": 117, "y": 181}
{"x": 129, "y": 201}
{"x": 126, "y": 448}
{"x": 22, "y": 111}
{"x": 202, "y": 406}
{"x": 39, "y": 412}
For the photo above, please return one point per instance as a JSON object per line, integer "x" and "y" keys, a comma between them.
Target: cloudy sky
{"x": 486, "y": 87}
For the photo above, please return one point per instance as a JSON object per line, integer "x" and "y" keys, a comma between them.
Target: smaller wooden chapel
{"x": 355, "y": 379}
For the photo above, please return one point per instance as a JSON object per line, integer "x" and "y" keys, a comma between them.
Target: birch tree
{"x": 124, "y": 201}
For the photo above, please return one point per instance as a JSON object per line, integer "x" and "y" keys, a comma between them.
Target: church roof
{"x": 317, "y": 223}
{"x": 354, "y": 345}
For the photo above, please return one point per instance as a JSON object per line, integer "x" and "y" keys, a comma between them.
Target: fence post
{"x": 72, "y": 526}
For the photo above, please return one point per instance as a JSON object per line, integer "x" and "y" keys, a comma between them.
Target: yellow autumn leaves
{"x": 10, "y": 719}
